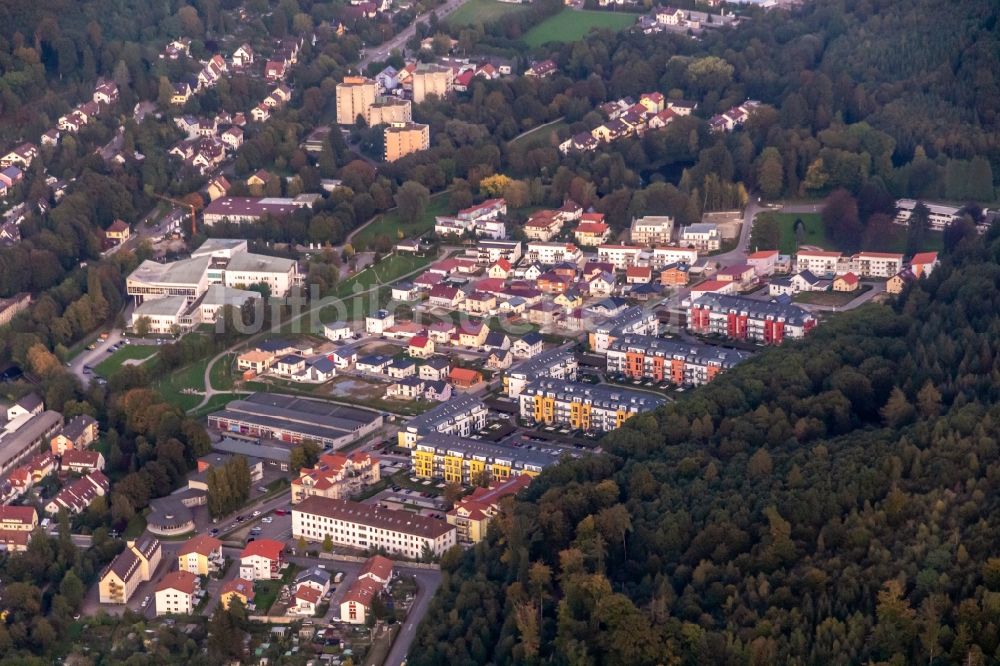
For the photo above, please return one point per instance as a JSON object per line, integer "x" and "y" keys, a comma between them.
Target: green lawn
{"x": 113, "y": 362}
{"x": 389, "y": 224}
{"x": 816, "y": 235}
{"x": 172, "y": 387}
{"x": 834, "y": 299}
{"x": 222, "y": 373}
{"x": 570, "y": 25}
{"x": 475, "y": 12}
{"x": 540, "y": 136}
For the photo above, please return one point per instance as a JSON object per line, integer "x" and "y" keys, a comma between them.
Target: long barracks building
{"x": 583, "y": 406}
{"x": 744, "y": 318}
{"x": 680, "y": 363}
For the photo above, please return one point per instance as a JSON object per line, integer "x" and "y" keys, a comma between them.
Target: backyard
{"x": 571, "y": 25}
{"x": 114, "y": 362}
{"x": 475, "y": 12}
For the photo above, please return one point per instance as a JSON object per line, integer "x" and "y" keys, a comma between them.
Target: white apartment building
{"x": 702, "y": 235}
{"x": 367, "y": 527}
{"x": 666, "y": 255}
{"x": 622, "y": 256}
{"x": 175, "y": 594}
{"x": 877, "y": 264}
{"x": 549, "y": 254}
{"x": 461, "y": 416}
{"x": 940, "y": 215}
{"x": 818, "y": 262}
{"x": 556, "y": 364}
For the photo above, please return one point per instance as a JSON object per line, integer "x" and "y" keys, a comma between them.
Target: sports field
{"x": 570, "y": 25}
{"x": 475, "y": 12}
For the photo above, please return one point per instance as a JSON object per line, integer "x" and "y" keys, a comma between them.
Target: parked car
{"x": 256, "y": 513}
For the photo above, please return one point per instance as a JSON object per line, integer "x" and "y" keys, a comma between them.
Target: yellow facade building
{"x": 354, "y": 95}
{"x": 134, "y": 565}
{"x": 402, "y": 139}
{"x": 431, "y": 80}
{"x": 469, "y": 461}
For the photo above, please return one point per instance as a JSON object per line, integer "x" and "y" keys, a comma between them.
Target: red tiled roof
{"x": 184, "y": 581}
{"x": 309, "y": 594}
{"x": 201, "y": 544}
{"x": 378, "y": 566}
{"x": 266, "y": 548}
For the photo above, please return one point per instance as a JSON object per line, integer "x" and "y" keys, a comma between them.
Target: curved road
{"x": 209, "y": 391}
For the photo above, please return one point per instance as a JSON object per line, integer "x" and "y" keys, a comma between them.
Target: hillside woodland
{"x": 832, "y": 501}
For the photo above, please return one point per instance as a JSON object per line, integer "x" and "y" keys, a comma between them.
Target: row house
{"x": 581, "y": 142}
{"x": 77, "y": 496}
{"x": 744, "y": 318}
{"x": 734, "y": 117}
{"x": 673, "y": 361}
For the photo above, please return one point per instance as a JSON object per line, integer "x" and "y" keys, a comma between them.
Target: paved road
{"x": 427, "y": 584}
{"x": 382, "y": 51}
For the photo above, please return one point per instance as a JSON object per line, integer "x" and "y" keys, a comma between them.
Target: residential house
{"x": 590, "y": 233}
{"x": 499, "y": 359}
{"x": 846, "y": 282}
{"x": 338, "y": 330}
{"x": 407, "y": 388}
{"x": 620, "y": 256}
{"x": 175, "y": 593}
{"x": 638, "y": 274}
{"x": 435, "y": 369}
{"x": 471, "y": 334}
{"x": 439, "y": 391}
{"x": 420, "y": 346}
{"x": 472, "y": 514}
{"x": 237, "y": 589}
{"x": 898, "y": 282}
{"x": 82, "y": 462}
{"x": 923, "y": 263}
{"x": 262, "y": 560}
{"x": 337, "y": 475}
{"x": 79, "y": 433}
{"x": 674, "y": 275}
{"x": 200, "y": 555}
{"x": 243, "y": 56}
{"x": 527, "y": 346}
{"x": 541, "y": 69}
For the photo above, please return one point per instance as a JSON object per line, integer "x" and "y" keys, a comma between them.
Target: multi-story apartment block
{"x": 462, "y": 417}
{"x": 369, "y": 527}
{"x": 666, "y": 255}
{"x": 134, "y": 565}
{"x": 876, "y": 264}
{"x": 620, "y": 256}
{"x": 354, "y": 95}
{"x": 940, "y": 215}
{"x": 744, "y": 318}
{"x": 635, "y": 320}
{"x": 819, "y": 262}
{"x": 549, "y": 254}
{"x": 673, "y": 361}
{"x": 702, "y": 235}
{"x": 337, "y": 476}
{"x": 652, "y": 230}
{"x": 492, "y": 251}
{"x": 388, "y": 110}
{"x": 470, "y": 461}
{"x": 582, "y": 406}
{"x": 402, "y": 139}
{"x": 472, "y": 514}
{"x": 200, "y": 555}
{"x": 431, "y": 80}
{"x": 556, "y": 363}
{"x": 175, "y": 593}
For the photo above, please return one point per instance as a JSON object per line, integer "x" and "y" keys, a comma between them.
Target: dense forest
{"x": 832, "y": 501}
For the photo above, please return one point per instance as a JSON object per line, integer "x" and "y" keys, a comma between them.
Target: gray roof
{"x": 430, "y": 420}
{"x": 161, "y": 307}
{"x": 251, "y": 450}
{"x": 792, "y": 314}
{"x": 518, "y": 457}
{"x": 260, "y": 263}
{"x": 308, "y": 417}
{"x": 541, "y": 363}
{"x": 689, "y": 351}
{"x": 14, "y": 445}
{"x": 184, "y": 272}
{"x": 609, "y": 397}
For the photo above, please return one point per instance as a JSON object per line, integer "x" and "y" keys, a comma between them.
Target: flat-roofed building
{"x": 250, "y": 209}
{"x": 431, "y": 80}
{"x": 291, "y": 419}
{"x": 674, "y": 361}
{"x": 652, "y": 230}
{"x": 587, "y": 407}
{"x": 557, "y": 363}
{"x": 354, "y": 95}
{"x": 939, "y": 215}
{"x": 472, "y": 461}
{"x": 22, "y": 434}
{"x": 461, "y": 416}
{"x": 388, "y": 110}
{"x": 370, "y": 527}
{"x": 402, "y": 139}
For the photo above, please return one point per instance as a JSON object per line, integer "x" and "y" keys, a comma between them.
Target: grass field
{"x": 570, "y": 25}
{"x": 114, "y": 362}
{"x": 475, "y": 12}
{"x": 834, "y": 299}
{"x": 816, "y": 235}
{"x": 172, "y": 387}
{"x": 389, "y": 223}
{"x": 540, "y": 136}
{"x": 222, "y": 373}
